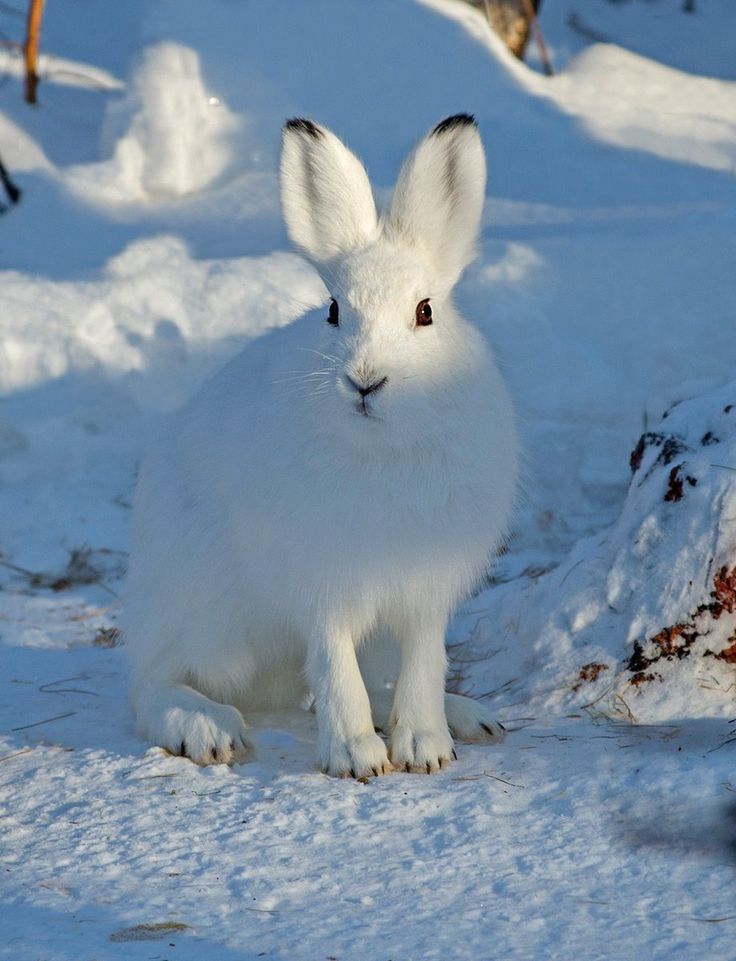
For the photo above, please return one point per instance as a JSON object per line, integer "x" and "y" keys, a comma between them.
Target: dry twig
{"x": 33, "y": 32}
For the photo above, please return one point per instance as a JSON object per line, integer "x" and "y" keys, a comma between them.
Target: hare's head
{"x": 395, "y": 350}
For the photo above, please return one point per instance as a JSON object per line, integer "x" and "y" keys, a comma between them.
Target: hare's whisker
{"x": 320, "y": 353}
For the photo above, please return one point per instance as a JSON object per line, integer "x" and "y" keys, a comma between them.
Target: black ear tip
{"x": 302, "y": 125}
{"x": 455, "y": 121}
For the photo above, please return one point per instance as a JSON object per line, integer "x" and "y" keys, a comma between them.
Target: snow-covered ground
{"x": 147, "y": 249}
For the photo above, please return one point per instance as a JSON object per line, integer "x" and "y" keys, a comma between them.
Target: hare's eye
{"x": 334, "y": 315}
{"x": 424, "y": 314}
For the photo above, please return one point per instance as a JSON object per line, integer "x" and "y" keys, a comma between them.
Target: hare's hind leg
{"x": 468, "y": 719}
{"x": 186, "y": 675}
{"x": 379, "y": 662}
{"x": 419, "y": 735}
{"x": 185, "y": 722}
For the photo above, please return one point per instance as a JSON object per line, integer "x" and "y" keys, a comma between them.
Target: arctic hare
{"x": 337, "y": 488}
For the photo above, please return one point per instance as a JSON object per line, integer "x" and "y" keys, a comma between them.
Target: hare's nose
{"x": 365, "y": 389}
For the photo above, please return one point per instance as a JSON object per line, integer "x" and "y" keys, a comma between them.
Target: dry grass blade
{"x": 729, "y": 740}
{"x": 8, "y": 757}
{"x": 48, "y": 720}
{"x": 726, "y": 917}
{"x": 107, "y": 637}
{"x": 151, "y": 777}
{"x": 487, "y": 774}
{"x": 148, "y": 932}
{"x": 86, "y": 565}
{"x": 51, "y": 688}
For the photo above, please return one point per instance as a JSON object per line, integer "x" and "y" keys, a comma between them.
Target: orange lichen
{"x": 589, "y": 673}
{"x": 675, "y": 641}
{"x": 641, "y": 678}
{"x": 725, "y": 591}
{"x": 728, "y": 654}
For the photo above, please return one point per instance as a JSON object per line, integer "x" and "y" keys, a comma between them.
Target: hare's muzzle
{"x": 364, "y": 390}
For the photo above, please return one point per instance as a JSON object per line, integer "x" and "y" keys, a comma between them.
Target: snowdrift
{"x": 641, "y": 621}
{"x": 174, "y": 136}
{"x": 147, "y": 249}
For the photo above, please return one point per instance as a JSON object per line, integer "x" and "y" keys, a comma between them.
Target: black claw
{"x": 214, "y": 753}
{"x": 407, "y": 767}
{"x": 352, "y": 772}
{"x": 232, "y": 746}
{"x": 454, "y": 753}
{"x": 429, "y": 768}
{"x": 440, "y": 761}
{"x": 487, "y": 729}
{"x": 501, "y": 725}
{"x": 375, "y": 771}
{"x": 183, "y": 749}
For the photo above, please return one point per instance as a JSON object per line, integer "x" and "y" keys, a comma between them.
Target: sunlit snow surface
{"x": 146, "y": 250}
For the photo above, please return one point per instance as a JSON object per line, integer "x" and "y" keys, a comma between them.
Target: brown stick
{"x": 33, "y": 31}
{"x": 531, "y": 16}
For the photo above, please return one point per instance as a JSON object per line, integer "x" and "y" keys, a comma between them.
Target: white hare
{"x": 336, "y": 489}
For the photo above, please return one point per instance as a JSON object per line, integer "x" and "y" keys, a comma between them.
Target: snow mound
{"x": 57, "y": 70}
{"x": 649, "y": 106}
{"x": 157, "y": 322}
{"x": 21, "y": 152}
{"x": 643, "y": 621}
{"x": 622, "y": 98}
{"x": 178, "y": 139}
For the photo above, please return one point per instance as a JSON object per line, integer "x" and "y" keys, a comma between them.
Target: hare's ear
{"x": 438, "y": 200}
{"x": 325, "y": 193}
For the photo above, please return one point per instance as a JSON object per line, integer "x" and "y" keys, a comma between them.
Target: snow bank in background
{"x": 19, "y": 150}
{"x": 157, "y": 320}
{"x": 623, "y": 98}
{"x": 178, "y": 139}
{"x": 58, "y": 70}
{"x": 699, "y": 40}
{"x": 650, "y": 107}
{"x": 606, "y": 283}
{"x": 643, "y": 620}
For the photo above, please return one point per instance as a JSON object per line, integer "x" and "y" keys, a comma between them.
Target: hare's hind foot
{"x": 188, "y": 724}
{"x": 468, "y": 719}
{"x": 471, "y": 721}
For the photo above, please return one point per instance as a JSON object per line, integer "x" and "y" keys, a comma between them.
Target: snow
{"x": 177, "y": 139}
{"x": 146, "y": 250}
{"x": 650, "y": 604}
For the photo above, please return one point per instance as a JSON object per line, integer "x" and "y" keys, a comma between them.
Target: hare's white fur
{"x": 285, "y": 528}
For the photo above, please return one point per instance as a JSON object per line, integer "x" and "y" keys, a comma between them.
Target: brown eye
{"x": 334, "y": 315}
{"x": 424, "y": 313}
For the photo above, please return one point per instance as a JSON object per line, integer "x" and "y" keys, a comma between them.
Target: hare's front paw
{"x": 422, "y": 751}
{"x": 360, "y": 756}
{"x": 471, "y": 721}
{"x": 212, "y": 735}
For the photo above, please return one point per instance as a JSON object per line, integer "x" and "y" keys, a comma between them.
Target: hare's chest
{"x": 416, "y": 513}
